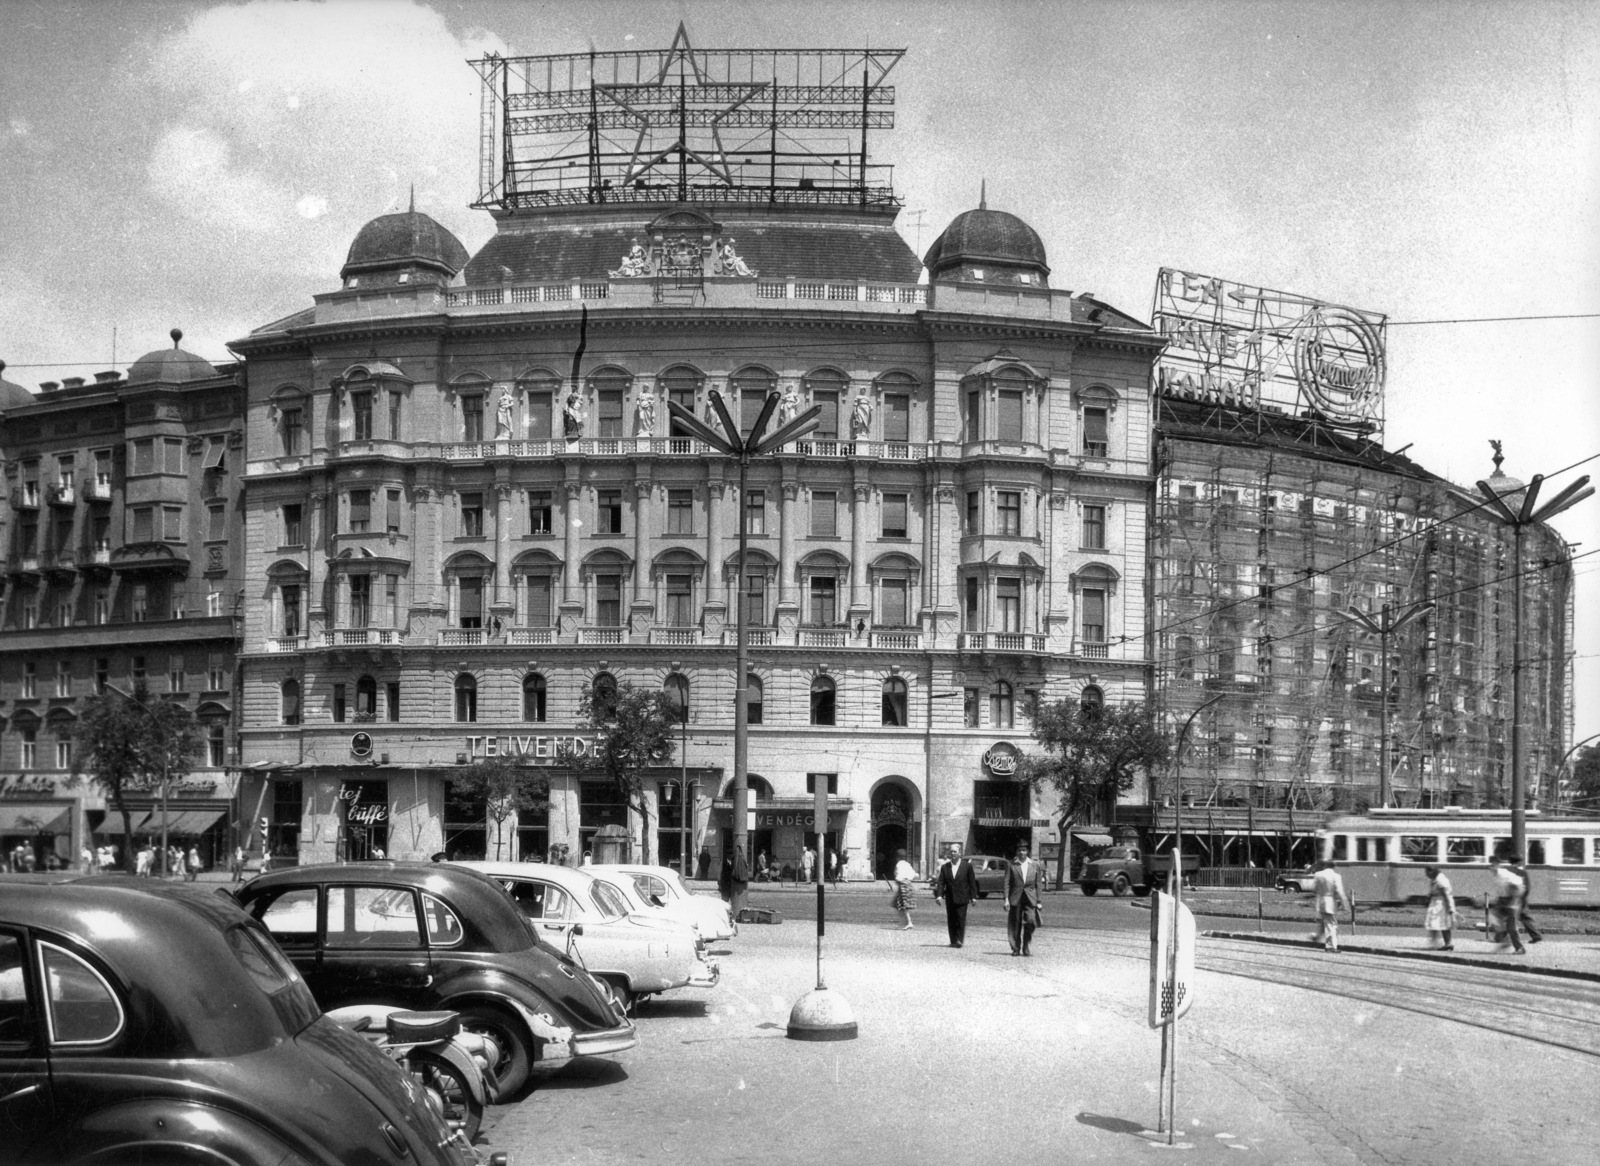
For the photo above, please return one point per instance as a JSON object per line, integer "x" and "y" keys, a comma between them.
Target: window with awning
{"x": 45, "y": 819}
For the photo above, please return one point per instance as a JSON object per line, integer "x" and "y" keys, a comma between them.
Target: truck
{"x": 1126, "y": 868}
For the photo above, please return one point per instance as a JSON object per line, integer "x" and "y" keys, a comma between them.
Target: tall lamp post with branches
{"x": 743, "y": 447}
{"x": 1501, "y": 493}
{"x": 1390, "y": 620}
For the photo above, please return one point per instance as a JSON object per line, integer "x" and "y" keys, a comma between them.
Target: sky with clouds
{"x": 206, "y": 165}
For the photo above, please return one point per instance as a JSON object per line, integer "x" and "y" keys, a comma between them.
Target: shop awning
{"x": 112, "y": 826}
{"x": 187, "y": 822}
{"x": 46, "y": 819}
{"x": 1092, "y": 839}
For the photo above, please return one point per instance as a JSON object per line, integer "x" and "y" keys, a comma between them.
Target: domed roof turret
{"x": 398, "y": 241}
{"x": 170, "y": 366}
{"x": 12, "y": 395}
{"x": 988, "y": 245}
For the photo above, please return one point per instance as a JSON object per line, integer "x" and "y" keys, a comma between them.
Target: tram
{"x": 1382, "y": 854}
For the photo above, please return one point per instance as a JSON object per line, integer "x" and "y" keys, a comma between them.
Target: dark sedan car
{"x": 426, "y": 936}
{"x": 161, "y": 1024}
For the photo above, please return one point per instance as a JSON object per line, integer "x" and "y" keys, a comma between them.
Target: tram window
{"x": 1536, "y": 852}
{"x": 1372, "y": 850}
{"x": 1341, "y": 847}
{"x": 1572, "y": 851}
{"x": 1464, "y": 849}
{"x": 1419, "y": 848}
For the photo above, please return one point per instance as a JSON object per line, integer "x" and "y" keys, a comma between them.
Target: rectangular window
{"x": 824, "y": 601}
{"x": 65, "y": 464}
{"x": 139, "y": 603}
{"x": 824, "y": 514}
{"x": 755, "y": 598}
{"x": 472, "y": 515}
{"x": 136, "y": 670}
{"x": 143, "y": 525}
{"x": 832, "y": 780}
{"x": 1008, "y": 605}
{"x": 610, "y": 511}
{"x": 172, "y": 455}
{"x": 338, "y": 704}
{"x": 291, "y": 609}
{"x": 175, "y": 674}
{"x": 970, "y": 604}
{"x": 30, "y": 680}
{"x": 680, "y": 593}
{"x": 892, "y": 606}
{"x": 63, "y": 678}
{"x": 360, "y": 600}
{"x": 361, "y": 416}
{"x": 1094, "y": 615}
{"x": 293, "y": 427}
{"x": 1186, "y": 497}
{"x": 213, "y": 603}
{"x": 750, "y": 405}
{"x": 1008, "y": 504}
{"x": 64, "y": 613}
{"x": 216, "y": 745}
{"x": 894, "y": 515}
{"x": 216, "y": 673}
{"x": 472, "y": 417}
{"x": 63, "y": 753}
{"x": 293, "y": 535}
{"x": 540, "y": 607}
{"x": 102, "y": 468}
{"x": 395, "y": 399}
{"x": 608, "y": 601}
{"x": 30, "y": 749}
{"x": 969, "y": 707}
{"x": 1094, "y": 528}
{"x": 391, "y": 697}
{"x": 827, "y": 420}
{"x": 391, "y": 513}
{"x": 755, "y": 512}
{"x": 1095, "y": 443}
{"x": 360, "y": 510}
{"x": 1536, "y": 852}
{"x": 972, "y": 512}
{"x": 608, "y": 413}
{"x": 144, "y": 456}
{"x": 896, "y": 417}
{"x": 172, "y": 524}
{"x": 540, "y": 416}
{"x": 680, "y": 511}
{"x": 1008, "y": 416}
{"x": 539, "y": 517}
{"x": 102, "y": 674}
{"x": 216, "y": 523}
{"x": 1419, "y": 848}
{"x": 175, "y": 600}
{"x": 974, "y": 416}
{"x": 1464, "y": 848}
{"x": 471, "y": 592}
{"x": 391, "y": 599}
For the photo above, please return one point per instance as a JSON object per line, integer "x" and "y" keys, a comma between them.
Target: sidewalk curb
{"x": 1401, "y": 953}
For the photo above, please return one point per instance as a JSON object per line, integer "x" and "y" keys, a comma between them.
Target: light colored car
{"x": 634, "y": 953}
{"x": 661, "y": 889}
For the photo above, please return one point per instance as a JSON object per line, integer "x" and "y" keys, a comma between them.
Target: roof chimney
{"x": 72, "y": 382}
{"x": 48, "y": 386}
{"x": 106, "y": 378}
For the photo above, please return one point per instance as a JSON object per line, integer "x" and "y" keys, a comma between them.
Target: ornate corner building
{"x": 456, "y": 525}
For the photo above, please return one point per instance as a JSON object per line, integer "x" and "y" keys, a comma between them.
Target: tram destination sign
{"x": 1255, "y": 348}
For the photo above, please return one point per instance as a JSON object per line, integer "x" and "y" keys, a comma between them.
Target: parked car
{"x": 991, "y": 874}
{"x": 428, "y": 936}
{"x": 662, "y": 887}
{"x": 1295, "y": 880}
{"x": 145, "y": 1021}
{"x": 636, "y": 955}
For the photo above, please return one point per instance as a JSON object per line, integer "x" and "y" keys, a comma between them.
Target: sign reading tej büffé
{"x": 547, "y": 749}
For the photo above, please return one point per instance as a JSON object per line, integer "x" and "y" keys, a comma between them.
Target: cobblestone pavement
{"x": 970, "y": 1055}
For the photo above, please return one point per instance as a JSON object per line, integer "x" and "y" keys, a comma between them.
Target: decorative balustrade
{"x": 355, "y": 637}
{"x": 898, "y": 451}
{"x": 1002, "y": 642}
{"x": 823, "y": 637}
{"x": 1094, "y": 649}
{"x": 898, "y": 641}
{"x": 676, "y": 637}
{"x": 756, "y": 637}
{"x": 97, "y": 489}
{"x": 600, "y": 635}
{"x": 286, "y": 644}
{"x": 462, "y": 637}
{"x": 531, "y": 636}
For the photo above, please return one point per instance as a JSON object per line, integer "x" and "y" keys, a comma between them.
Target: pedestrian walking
{"x": 86, "y": 859}
{"x": 957, "y": 886}
{"x": 808, "y": 863}
{"x": 904, "y": 879}
{"x": 761, "y": 866}
{"x": 1505, "y": 905}
{"x": 1327, "y": 891}
{"x": 833, "y": 866}
{"x": 1023, "y": 887}
{"x": 1441, "y": 918}
{"x": 143, "y": 860}
{"x": 1524, "y": 916}
{"x": 192, "y": 865}
{"x": 238, "y": 863}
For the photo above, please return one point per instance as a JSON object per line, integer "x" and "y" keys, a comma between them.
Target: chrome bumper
{"x": 607, "y": 1040}
{"x": 705, "y": 975}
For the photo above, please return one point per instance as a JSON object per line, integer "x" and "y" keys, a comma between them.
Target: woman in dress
{"x": 1441, "y": 917}
{"x": 905, "y": 880}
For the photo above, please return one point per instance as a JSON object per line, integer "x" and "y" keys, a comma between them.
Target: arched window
{"x": 676, "y": 688}
{"x": 290, "y": 702}
{"x": 1183, "y": 663}
{"x": 1002, "y": 706}
{"x": 603, "y": 696}
{"x": 752, "y": 385}
{"x": 894, "y": 702}
{"x": 466, "y": 698}
{"x": 216, "y": 744}
{"x": 822, "y": 701}
{"x": 754, "y": 693}
{"x": 533, "y": 697}
{"x": 1091, "y": 700}
{"x": 366, "y": 699}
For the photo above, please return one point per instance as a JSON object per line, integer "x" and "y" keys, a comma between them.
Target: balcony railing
{"x": 677, "y": 637}
{"x": 757, "y": 637}
{"x": 286, "y": 644}
{"x": 1002, "y": 642}
{"x": 823, "y": 637}
{"x": 26, "y": 497}
{"x": 899, "y": 451}
{"x": 97, "y": 489}
{"x": 531, "y": 636}
{"x": 600, "y": 635}
{"x": 899, "y": 641}
{"x": 62, "y": 494}
{"x": 100, "y": 556}
{"x": 462, "y": 637}
{"x": 1094, "y": 649}
{"x": 347, "y": 637}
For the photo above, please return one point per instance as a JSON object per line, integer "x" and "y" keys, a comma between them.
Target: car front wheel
{"x": 516, "y": 1046}
{"x": 1120, "y": 886}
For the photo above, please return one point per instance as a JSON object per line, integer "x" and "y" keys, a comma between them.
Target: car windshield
{"x": 608, "y": 900}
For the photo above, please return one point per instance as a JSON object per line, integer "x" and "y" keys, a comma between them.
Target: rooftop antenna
{"x": 983, "y": 194}
{"x": 413, "y": 207}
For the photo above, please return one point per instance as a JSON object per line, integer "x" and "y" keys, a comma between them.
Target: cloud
{"x": 20, "y": 127}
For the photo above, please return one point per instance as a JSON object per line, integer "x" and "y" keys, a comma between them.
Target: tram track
{"x": 1559, "y": 1013}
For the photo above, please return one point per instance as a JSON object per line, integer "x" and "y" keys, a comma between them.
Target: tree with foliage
{"x": 508, "y": 786}
{"x": 633, "y": 733}
{"x": 1091, "y": 753}
{"x": 120, "y": 743}
{"x": 1586, "y": 777}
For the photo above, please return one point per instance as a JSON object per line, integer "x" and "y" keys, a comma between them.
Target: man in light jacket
{"x": 1327, "y": 889}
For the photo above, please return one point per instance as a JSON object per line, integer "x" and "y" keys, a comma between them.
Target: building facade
{"x": 123, "y": 570}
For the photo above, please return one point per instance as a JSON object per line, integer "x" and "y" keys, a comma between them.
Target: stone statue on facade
{"x": 860, "y": 416}
{"x": 788, "y": 405}
{"x": 728, "y": 261}
{"x": 644, "y": 414}
{"x": 634, "y": 264}
{"x": 502, "y": 415}
{"x": 572, "y": 414}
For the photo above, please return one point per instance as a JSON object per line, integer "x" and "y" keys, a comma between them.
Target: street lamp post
{"x": 1389, "y": 621}
{"x": 1499, "y": 492}
{"x": 165, "y": 758}
{"x": 732, "y": 444}
{"x": 1177, "y": 794}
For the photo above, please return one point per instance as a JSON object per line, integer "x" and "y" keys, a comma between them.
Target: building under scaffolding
{"x": 1269, "y": 524}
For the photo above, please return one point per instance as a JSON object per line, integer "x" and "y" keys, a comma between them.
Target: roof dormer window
{"x": 977, "y": 273}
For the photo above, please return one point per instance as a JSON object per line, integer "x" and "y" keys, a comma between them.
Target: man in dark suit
{"x": 957, "y": 885}
{"x": 1023, "y": 885}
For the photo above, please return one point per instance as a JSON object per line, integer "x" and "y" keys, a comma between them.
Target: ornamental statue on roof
{"x": 635, "y": 263}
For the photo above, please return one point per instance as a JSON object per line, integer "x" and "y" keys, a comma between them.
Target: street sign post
{"x": 1172, "y": 935}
